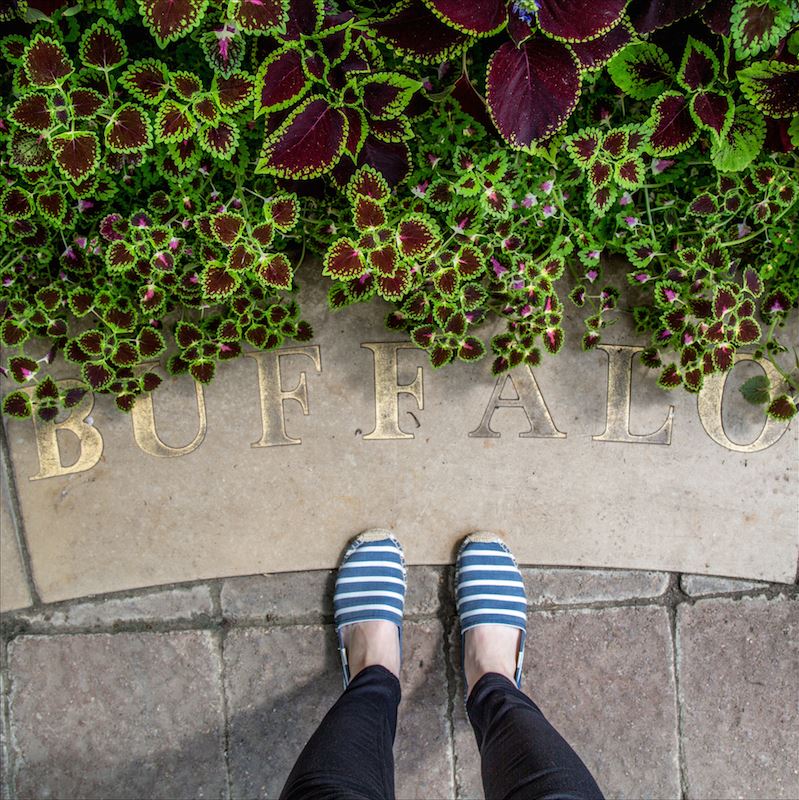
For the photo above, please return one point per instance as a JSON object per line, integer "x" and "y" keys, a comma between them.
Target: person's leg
{"x": 523, "y": 757}
{"x": 350, "y": 755}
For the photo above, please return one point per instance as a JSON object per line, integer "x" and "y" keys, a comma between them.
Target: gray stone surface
{"x": 170, "y": 605}
{"x": 281, "y": 682}
{"x": 604, "y": 679}
{"x": 127, "y": 715}
{"x": 701, "y": 585}
{"x": 307, "y": 597}
{"x": 739, "y": 672}
{"x": 574, "y": 586}
{"x": 14, "y": 592}
{"x": 230, "y": 506}
{"x": 5, "y": 776}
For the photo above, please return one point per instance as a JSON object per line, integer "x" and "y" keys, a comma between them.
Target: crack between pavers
{"x": 446, "y": 618}
{"x": 9, "y": 489}
{"x": 678, "y": 598}
{"x": 220, "y": 638}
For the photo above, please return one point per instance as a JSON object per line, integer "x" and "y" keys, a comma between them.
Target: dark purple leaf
{"x": 576, "y": 21}
{"x": 46, "y": 62}
{"x": 531, "y": 90}
{"x": 649, "y": 15}
{"x": 307, "y": 144}
{"x": 597, "y": 52}
{"x": 259, "y": 16}
{"x": 712, "y": 110}
{"x": 129, "y": 130}
{"x": 76, "y": 153}
{"x": 170, "y": 19}
{"x": 281, "y": 81}
{"x": 32, "y": 113}
{"x": 476, "y": 17}
{"x": 413, "y": 30}
{"x": 102, "y": 47}
{"x": 673, "y": 128}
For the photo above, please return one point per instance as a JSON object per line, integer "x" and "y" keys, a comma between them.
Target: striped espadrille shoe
{"x": 370, "y": 585}
{"x": 490, "y": 590}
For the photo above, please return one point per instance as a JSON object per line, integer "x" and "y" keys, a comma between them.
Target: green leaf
{"x": 699, "y": 67}
{"x": 641, "y": 70}
{"x": 757, "y": 26}
{"x": 756, "y": 390}
{"x": 772, "y": 87}
{"x": 736, "y": 149}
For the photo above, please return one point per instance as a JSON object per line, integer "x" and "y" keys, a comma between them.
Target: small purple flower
{"x": 174, "y": 243}
{"x": 526, "y": 310}
{"x": 498, "y": 268}
{"x": 427, "y": 85}
{"x": 632, "y": 222}
{"x": 549, "y": 211}
{"x": 81, "y": 241}
{"x": 546, "y": 186}
{"x": 661, "y": 165}
{"x": 421, "y": 188}
{"x": 7, "y": 281}
{"x": 530, "y": 200}
{"x": 670, "y": 294}
{"x": 84, "y": 205}
{"x": 687, "y": 338}
{"x": 664, "y": 334}
{"x": 743, "y": 230}
{"x": 592, "y": 275}
{"x": 625, "y": 199}
{"x": 235, "y": 203}
{"x": 642, "y": 277}
{"x": 517, "y": 285}
{"x": 776, "y": 305}
{"x": 594, "y": 254}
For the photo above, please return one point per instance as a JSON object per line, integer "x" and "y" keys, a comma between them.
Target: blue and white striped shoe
{"x": 490, "y": 590}
{"x": 370, "y": 585}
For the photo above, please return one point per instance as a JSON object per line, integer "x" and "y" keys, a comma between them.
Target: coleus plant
{"x": 477, "y": 166}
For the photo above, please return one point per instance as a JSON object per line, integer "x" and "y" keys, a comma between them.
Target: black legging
{"x": 350, "y": 757}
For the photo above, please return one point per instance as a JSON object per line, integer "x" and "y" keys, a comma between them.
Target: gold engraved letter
{"x": 529, "y": 399}
{"x": 388, "y": 389}
{"x": 143, "y": 419}
{"x": 91, "y": 442}
{"x": 620, "y": 376}
{"x": 273, "y": 396}
{"x": 708, "y": 403}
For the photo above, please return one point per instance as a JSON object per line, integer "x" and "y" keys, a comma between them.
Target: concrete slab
{"x": 738, "y": 663}
{"x": 702, "y": 585}
{"x": 575, "y": 586}
{"x": 242, "y": 481}
{"x": 126, "y": 715}
{"x": 280, "y": 682}
{"x": 307, "y": 597}
{"x": 14, "y": 591}
{"x": 189, "y": 603}
{"x": 605, "y": 679}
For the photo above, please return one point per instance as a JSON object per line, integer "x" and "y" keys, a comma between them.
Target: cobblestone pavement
{"x": 668, "y": 686}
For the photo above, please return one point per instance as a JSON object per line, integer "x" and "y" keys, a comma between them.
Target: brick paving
{"x": 669, "y": 686}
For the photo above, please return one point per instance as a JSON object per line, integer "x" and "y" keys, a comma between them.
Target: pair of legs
{"x": 350, "y": 757}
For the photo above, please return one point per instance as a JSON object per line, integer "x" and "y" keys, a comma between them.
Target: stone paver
{"x": 701, "y": 585}
{"x": 307, "y": 597}
{"x": 5, "y": 777}
{"x": 129, "y": 715}
{"x": 572, "y": 586}
{"x": 739, "y": 672}
{"x": 171, "y": 605}
{"x": 604, "y": 678}
{"x": 14, "y": 591}
{"x": 281, "y": 682}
